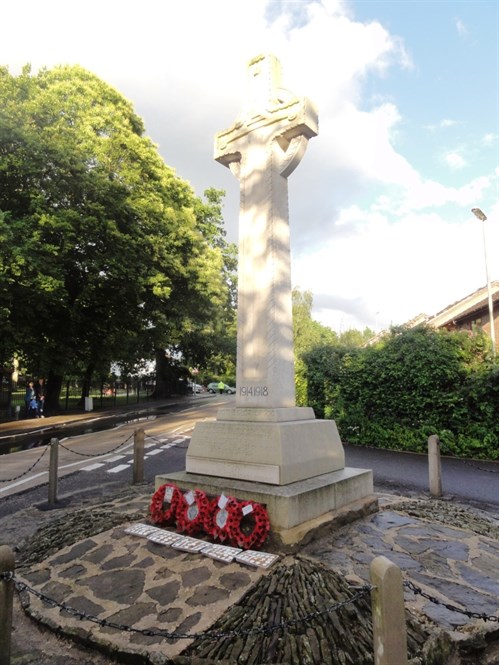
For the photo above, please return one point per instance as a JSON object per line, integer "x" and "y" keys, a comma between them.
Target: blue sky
{"x": 451, "y": 86}
{"x": 408, "y": 101}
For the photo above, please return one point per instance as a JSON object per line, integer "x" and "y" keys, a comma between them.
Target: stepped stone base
{"x": 297, "y": 508}
{"x": 277, "y": 446}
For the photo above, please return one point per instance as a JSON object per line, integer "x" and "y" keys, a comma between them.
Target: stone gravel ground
{"x": 32, "y": 644}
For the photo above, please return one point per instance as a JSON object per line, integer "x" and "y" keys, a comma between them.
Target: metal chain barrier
{"x": 472, "y": 615}
{"x": 206, "y": 635}
{"x": 81, "y": 454}
{"x": 24, "y": 473}
{"x": 112, "y": 450}
{"x": 107, "y": 452}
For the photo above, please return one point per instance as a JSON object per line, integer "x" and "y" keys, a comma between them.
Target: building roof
{"x": 473, "y": 303}
{"x": 470, "y": 305}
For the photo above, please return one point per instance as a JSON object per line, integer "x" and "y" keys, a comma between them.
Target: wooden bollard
{"x": 388, "y": 610}
{"x": 53, "y": 470}
{"x": 434, "y": 465}
{"x": 7, "y": 564}
{"x": 138, "y": 456}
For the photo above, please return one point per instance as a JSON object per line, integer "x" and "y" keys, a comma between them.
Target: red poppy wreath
{"x": 192, "y": 512}
{"x": 164, "y": 504}
{"x": 248, "y": 524}
{"x": 218, "y": 521}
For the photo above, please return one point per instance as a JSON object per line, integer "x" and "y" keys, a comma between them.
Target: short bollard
{"x": 388, "y": 611}
{"x": 138, "y": 456}
{"x": 53, "y": 470}
{"x": 7, "y": 565}
{"x": 434, "y": 465}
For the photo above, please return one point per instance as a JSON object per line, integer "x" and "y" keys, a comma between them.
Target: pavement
{"x": 135, "y": 600}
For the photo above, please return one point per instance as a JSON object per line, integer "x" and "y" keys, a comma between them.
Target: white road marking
{"x": 24, "y": 480}
{"x": 117, "y": 469}
{"x": 92, "y": 467}
{"x": 153, "y": 452}
{"x": 115, "y": 458}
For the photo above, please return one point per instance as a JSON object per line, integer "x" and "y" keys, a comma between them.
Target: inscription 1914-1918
{"x": 254, "y": 391}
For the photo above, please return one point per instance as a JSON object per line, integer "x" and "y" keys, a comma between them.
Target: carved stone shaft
{"x": 262, "y": 149}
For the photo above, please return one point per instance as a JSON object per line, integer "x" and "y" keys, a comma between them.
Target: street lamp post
{"x": 482, "y": 217}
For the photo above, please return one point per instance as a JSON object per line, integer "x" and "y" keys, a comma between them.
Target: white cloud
{"x": 454, "y": 160}
{"x": 461, "y": 28}
{"x": 387, "y": 272}
{"x": 489, "y": 139}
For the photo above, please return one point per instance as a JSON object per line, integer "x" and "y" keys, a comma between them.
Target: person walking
{"x": 221, "y": 386}
{"x": 40, "y": 392}
{"x": 30, "y": 400}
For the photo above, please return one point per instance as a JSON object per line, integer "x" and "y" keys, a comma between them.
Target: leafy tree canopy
{"x": 105, "y": 253}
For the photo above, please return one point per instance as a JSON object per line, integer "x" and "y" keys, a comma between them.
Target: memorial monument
{"x": 265, "y": 448}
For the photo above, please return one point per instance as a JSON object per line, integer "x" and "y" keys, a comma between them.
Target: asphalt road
{"x": 472, "y": 481}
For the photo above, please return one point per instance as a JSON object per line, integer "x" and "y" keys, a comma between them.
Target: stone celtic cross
{"x": 262, "y": 149}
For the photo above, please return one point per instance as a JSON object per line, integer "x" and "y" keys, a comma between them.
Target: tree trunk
{"x": 54, "y": 386}
{"x": 167, "y": 376}
{"x": 87, "y": 382}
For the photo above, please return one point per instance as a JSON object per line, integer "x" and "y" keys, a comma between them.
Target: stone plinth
{"x": 275, "y": 446}
{"x": 297, "y": 508}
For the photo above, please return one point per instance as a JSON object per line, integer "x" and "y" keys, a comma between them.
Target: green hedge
{"x": 414, "y": 383}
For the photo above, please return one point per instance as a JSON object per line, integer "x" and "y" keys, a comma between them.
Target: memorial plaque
{"x": 142, "y": 530}
{"x": 163, "y": 537}
{"x": 257, "y": 559}
{"x": 222, "y": 553}
{"x": 188, "y": 544}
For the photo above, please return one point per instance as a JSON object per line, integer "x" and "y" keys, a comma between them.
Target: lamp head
{"x": 479, "y": 214}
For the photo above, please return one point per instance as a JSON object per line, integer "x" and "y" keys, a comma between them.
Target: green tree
{"x": 353, "y": 338}
{"x": 105, "y": 253}
{"x": 308, "y": 334}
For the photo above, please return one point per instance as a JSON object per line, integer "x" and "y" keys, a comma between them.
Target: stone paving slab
{"x": 454, "y": 564}
{"x": 131, "y": 581}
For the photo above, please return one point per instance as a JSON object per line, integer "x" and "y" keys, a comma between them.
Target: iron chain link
{"x": 24, "y": 473}
{"x": 472, "y": 615}
{"x": 206, "y": 635}
{"x": 107, "y": 452}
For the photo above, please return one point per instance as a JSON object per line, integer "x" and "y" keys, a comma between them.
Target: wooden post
{"x": 434, "y": 465}
{"x": 388, "y": 610}
{"x": 138, "y": 456}
{"x": 53, "y": 469}
{"x": 7, "y": 564}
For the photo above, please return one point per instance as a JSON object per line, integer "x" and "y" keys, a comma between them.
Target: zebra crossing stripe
{"x": 122, "y": 467}
{"x": 115, "y": 458}
{"x": 117, "y": 469}
{"x": 92, "y": 467}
